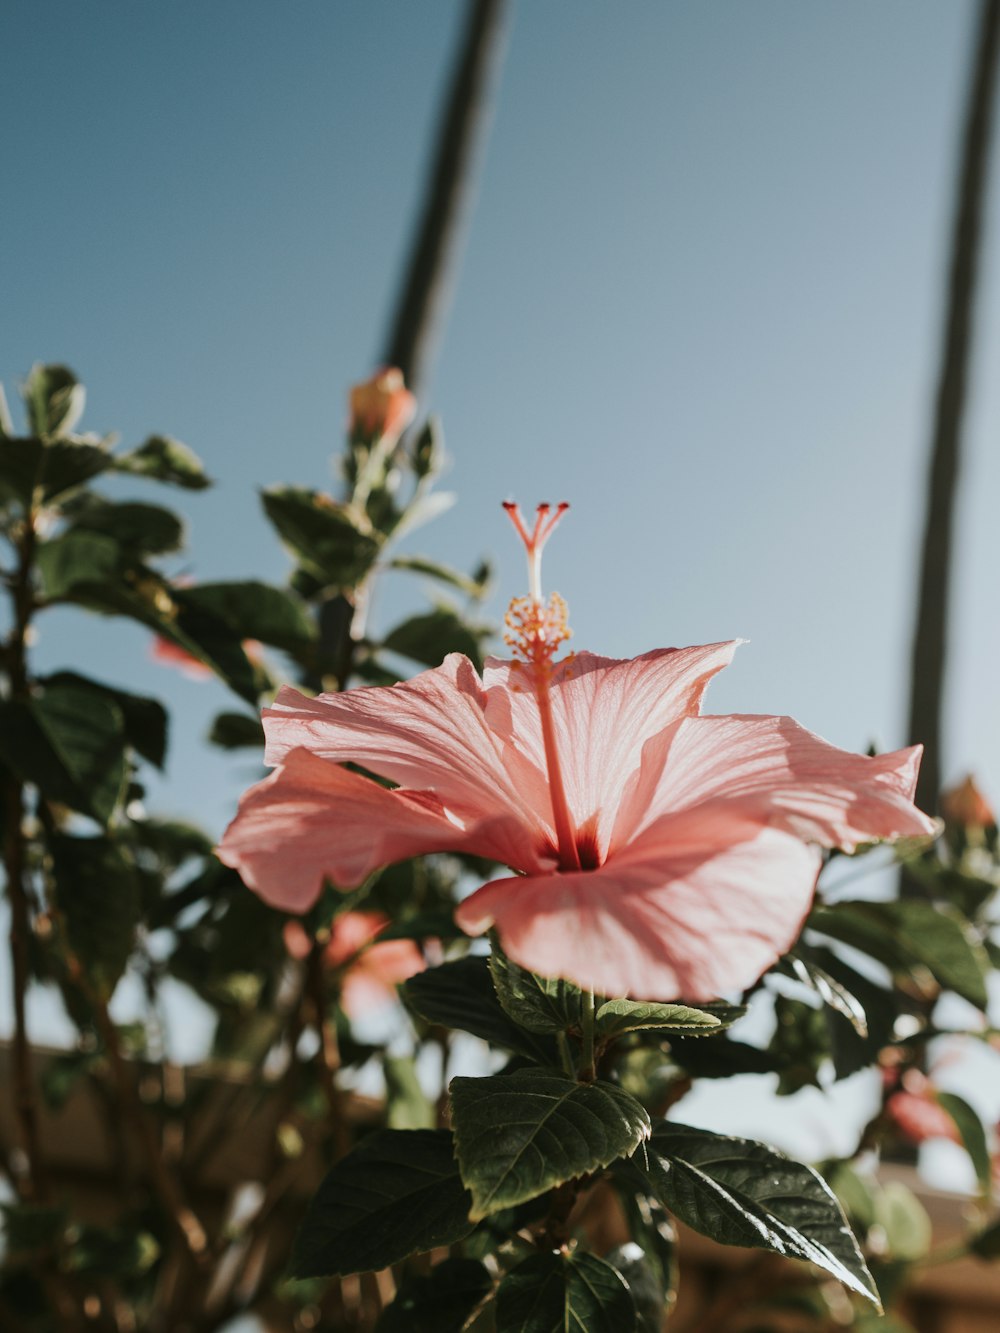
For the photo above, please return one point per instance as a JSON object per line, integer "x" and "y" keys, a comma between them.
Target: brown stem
{"x": 328, "y": 1052}
{"x": 182, "y": 1217}
{"x": 34, "y": 1185}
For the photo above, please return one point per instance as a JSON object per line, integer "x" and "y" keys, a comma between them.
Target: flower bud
{"x": 966, "y": 806}
{"x": 382, "y": 407}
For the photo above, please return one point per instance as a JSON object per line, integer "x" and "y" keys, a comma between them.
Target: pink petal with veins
{"x": 703, "y": 917}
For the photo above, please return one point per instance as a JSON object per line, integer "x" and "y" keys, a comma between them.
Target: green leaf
{"x": 31, "y": 1227}
{"x": 437, "y": 923}
{"x": 460, "y": 995}
{"x": 904, "y": 932}
{"x": 66, "y": 464}
{"x": 517, "y": 1135}
{"x": 441, "y": 1302}
{"x": 145, "y": 719}
{"x": 143, "y": 529}
{"x": 54, "y": 399}
{"x": 331, "y": 542}
{"x": 904, "y": 1222}
{"x": 164, "y": 459}
{"x": 803, "y": 968}
{"x": 98, "y": 894}
{"x": 801, "y": 1041}
{"x": 20, "y": 466}
{"x": 431, "y": 637}
{"x": 77, "y": 559}
{"x": 615, "y": 1017}
{"x": 643, "y": 1281}
{"x": 723, "y": 1058}
{"x": 540, "y": 1004}
{"x": 71, "y": 745}
{"x": 418, "y": 564}
{"x": 396, "y": 1194}
{"x": 652, "y": 1229}
{"x": 557, "y": 1293}
{"x": 237, "y": 731}
{"x": 740, "y": 1192}
{"x": 973, "y": 1136}
{"x": 254, "y": 610}
{"x": 407, "y": 1105}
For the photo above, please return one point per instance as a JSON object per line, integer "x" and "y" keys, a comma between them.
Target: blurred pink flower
{"x": 919, "y": 1116}
{"x": 377, "y": 968}
{"x": 172, "y": 654}
{"x": 382, "y": 406}
{"x": 658, "y": 852}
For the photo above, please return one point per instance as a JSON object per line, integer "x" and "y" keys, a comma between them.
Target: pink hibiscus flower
{"x": 374, "y": 970}
{"x": 657, "y": 852}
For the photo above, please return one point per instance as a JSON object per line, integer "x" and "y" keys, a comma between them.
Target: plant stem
{"x": 34, "y": 1185}
{"x": 588, "y": 1013}
{"x": 328, "y": 1054}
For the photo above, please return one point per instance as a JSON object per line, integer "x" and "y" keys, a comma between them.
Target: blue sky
{"x": 699, "y": 299}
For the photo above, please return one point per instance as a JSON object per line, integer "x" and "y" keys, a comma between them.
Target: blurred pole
{"x": 423, "y": 298}
{"x": 927, "y": 663}
{"x": 430, "y": 269}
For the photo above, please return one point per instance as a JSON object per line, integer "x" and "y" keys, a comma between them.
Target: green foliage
{"x": 70, "y": 744}
{"x": 237, "y": 731}
{"x": 741, "y": 1192}
{"x": 164, "y": 459}
{"x": 461, "y": 995}
{"x": 441, "y": 1302}
{"x": 330, "y": 541}
{"x": 430, "y": 637}
{"x": 539, "y": 1004}
{"x": 397, "y": 1193}
{"x": 973, "y": 1136}
{"x": 97, "y": 892}
{"x": 520, "y": 1134}
{"x": 616, "y": 1017}
{"x": 553, "y": 1293}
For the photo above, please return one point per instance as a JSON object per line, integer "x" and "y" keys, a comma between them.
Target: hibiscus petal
{"x": 772, "y": 771}
{"x": 311, "y": 820}
{"x": 697, "y": 922}
{"x": 428, "y": 734}
{"x": 605, "y": 710}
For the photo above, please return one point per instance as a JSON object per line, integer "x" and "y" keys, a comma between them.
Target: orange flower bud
{"x": 382, "y": 407}
{"x": 967, "y": 806}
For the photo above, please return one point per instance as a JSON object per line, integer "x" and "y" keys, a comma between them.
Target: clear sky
{"x": 700, "y": 299}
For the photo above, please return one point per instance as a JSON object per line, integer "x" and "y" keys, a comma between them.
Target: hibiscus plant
{"x": 468, "y": 946}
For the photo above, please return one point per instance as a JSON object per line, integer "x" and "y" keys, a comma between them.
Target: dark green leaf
{"x": 397, "y": 1193}
{"x": 431, "y": 637}
{"x": 331, "y": 542}
{"x": 800, "y": 1041}
{"x": 557, "y": 1293}
{"x": 254, "y": 610}
{"x": 643, "y": 1281}
{"x": 723, "y": 1058}
{"x": 71, "y": 745}
{"x": 30, "y": 1227}
{"x": 517, "y": 1135}
{"x": 236, "y": 731}
{"x": 98, "y": 894}
{"x": 851, "y": 1051}
{"x": 803, "y": 967}
{"x": 54, "y": 399}
{"x": 77, "y": 559}
{"x": 164, "y": 459}
{"x": 143, "y": 529}
{"x": 740, "y": 1192}
{"x": 540, "y": 1004}
{"x": 460, "y": 995}
{"x": 435, "y": 923}
{"x": 615, "y": 1017}
{"x": 441, "y": 1302}
{"x": 20, "y": 467}
{"x": 145, "y": 719}
{"x": 973, "y": 1136}
{"x": 903, "y": 1221}
{"x": 904, "y": 932}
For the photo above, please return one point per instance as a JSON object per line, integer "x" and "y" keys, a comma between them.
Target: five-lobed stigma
{"x": 536, "y": 627}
